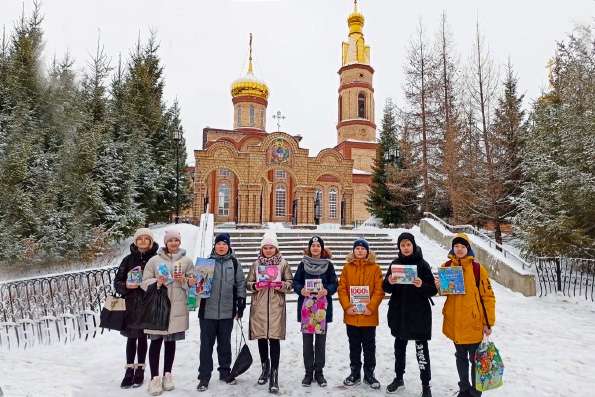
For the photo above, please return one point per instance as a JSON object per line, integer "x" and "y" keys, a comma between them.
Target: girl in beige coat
{"x": 269, "y": 280}
{"x": 174, "y": 258}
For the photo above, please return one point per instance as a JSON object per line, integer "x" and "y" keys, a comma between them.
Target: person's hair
{"x": 324, "y": 254}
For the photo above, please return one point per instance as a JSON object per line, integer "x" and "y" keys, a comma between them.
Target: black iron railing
{"x": 568, "y": 276}
{"x": 53, "y": 309}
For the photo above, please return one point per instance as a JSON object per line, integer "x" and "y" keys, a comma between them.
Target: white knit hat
{"x": 269, "y": 238}
{"x": 144, "y": 231}
{"x": 171, "y": 234}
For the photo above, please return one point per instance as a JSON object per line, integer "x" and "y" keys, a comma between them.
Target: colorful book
{"x": 404, "y": 274}
{"x": 314, "y": 315}
{"x": 164, "y": 271}
{"x": 359, "y": 296}
{"x": 204, "y": 268}
{"x": 313, "y": 285}
{"x": 135, "y": 276}
{"x": 268, "y": 277}
{"x": 451, "y": 280}
{"x": 192, "y": 301}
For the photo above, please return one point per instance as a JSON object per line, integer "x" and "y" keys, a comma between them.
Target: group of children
{"x": 467, "y": 317}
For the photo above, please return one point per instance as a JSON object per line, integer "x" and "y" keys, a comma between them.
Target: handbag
{"x": 113, "y": 313}
{"x": 489, "y": 368}
{"x": 243, "y": 358}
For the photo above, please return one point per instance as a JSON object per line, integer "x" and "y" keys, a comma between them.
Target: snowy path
{"x": 547, "y": 346}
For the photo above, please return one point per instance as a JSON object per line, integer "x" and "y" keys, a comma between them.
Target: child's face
{"x": 143, "y": 243}
{"x": 315, "y": 249}
{"x": 460, "y": 251}
{"x": 269, "y": 250}
{"x": 406, "y": 247}
{"x": 221, "y": 248}
{"x": 173, "y": 245}
{"x": 360, "y": 252}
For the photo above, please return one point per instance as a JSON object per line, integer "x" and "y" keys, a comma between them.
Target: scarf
{"x": 273, "y": 260}
{"x": 315, "y": 267}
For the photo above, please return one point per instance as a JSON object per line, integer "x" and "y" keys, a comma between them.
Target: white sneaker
{"x": 168, "y": 381}
{"x": 155, "y": 387}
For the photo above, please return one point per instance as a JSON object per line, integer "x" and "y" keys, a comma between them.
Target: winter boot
{"x": 203, "y": 385}
{"x": 128, "y": 380}
{"x": 396, "y": 385}
{"x": 371, "y": 381}
{"x": 354, "y": 378}
{"x": 307, "y": 381}
{"x": 274, "y": 381}
{"x": 168, "y": 382}
{"x": 139, "y": 375}
{"x": 426, "y": 391}
{"x": 155, "y": 386}
{"x": 227, "y": 378}
{"x": 319, "y": 376}
{"x": 264, "y": 375}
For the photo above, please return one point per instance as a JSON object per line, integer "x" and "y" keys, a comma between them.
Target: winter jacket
{"x": 267, "y": 310}
{"x": 177, "y": 292}
{"x": 409, "y": 310}
{"x": 329, "y": 282}
{"x": 229, "y": 284}
{"x": 463, "y": 314}
{"x": 134, "y": 296}
{"x": 358, "y": 272}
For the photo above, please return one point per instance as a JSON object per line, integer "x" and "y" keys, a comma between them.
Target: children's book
{"x": 204, "y": 268}
{"x": 163, "y": 270}
{"x": 268, "y": 277}
{"x": 404, "y": 274}
{"x": 314, "y": 315}
{"x": 135, "y": 276}
{"x": 313, "y": 285}
{"x": 359, "y": 295}
{"x": 451, "y": 280}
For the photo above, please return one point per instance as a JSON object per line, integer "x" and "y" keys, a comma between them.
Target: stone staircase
{"x": 246, "y": 244}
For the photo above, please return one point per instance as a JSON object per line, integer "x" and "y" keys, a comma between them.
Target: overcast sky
{"x": 204, "y": 47}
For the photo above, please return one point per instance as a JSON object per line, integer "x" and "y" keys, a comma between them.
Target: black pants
{"x": 362, "y": 338}
{"x": 168, "y": 356}
{"x": 211, "y": 331}
{"x": 275, "y": 351}
{"x": 314, "y": 351}
{"x": 422, "y": 354}
{"x": 136, "y": 347}
{"x": 464, "y": 355}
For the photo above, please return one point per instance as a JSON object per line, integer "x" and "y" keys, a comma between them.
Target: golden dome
{"x": 355, "y": 20}
{"x": 249, "y": 85}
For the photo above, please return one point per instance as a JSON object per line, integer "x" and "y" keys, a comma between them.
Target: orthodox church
{"x": 250, "y": 176}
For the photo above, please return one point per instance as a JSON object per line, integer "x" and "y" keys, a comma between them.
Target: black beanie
{"x": 223, "y": 237}
{"x": 316, "y": 239}
{"x": 406, "y": 236}
{"x": 461, "y": 240}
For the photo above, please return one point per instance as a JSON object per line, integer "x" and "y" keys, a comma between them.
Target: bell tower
{"x": 356, "y": 92}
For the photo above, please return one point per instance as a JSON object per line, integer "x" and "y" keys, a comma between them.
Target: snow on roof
{"x": 361, "y": 172}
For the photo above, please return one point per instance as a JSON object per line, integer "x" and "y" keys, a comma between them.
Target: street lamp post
{"x": 177, "y": 139}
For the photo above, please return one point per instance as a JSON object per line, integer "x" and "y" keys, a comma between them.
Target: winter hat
{"x": 316, "y": 239}
{"x": 461, "y": 238}
{"x": 406, "y": 236}
{"x": 171, "y": 234}
{"x": 144, "y": 231}
{"x": 269, "y": 238}
{"x": 361, "y": 243}
{"x": 224, "y": 237}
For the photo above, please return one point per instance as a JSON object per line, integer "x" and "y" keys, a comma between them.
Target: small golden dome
{"x": 249, "y": 85}
{"x": 355, "y": 20}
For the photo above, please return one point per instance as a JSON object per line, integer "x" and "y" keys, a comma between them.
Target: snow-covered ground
{"x": 546, "y": 344}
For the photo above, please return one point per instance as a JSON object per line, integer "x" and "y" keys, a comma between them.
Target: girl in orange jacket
{"x": 361, "y": 276}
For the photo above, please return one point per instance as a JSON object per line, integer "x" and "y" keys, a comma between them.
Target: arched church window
{"x": 318, "y": 203}
{"x": 239, "y": 116}
{"x": 224, "y": 172}
{"x": 361, "y": 105}
{"x": 223, "y": 202}
{"x": 332, "y": 203}
{"x": 252, "y": 116}
{"x": 340, "y": 107}
{"x": 280, "y": 200}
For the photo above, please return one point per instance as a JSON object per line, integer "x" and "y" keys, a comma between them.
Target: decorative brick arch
{"x": 266, "y": 143}
{"x": 330, "y": 153}
{"x": 222, "y": 144}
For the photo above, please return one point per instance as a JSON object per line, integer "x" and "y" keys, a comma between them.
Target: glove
{"x": 240, "y": 306}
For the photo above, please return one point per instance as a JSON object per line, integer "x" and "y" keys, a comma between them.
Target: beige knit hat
{"x": 144, "y": 231}
{"x": 269, "y": 238}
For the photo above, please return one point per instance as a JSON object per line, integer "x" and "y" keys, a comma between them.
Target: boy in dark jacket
{"x": 409, "y": 313}
{"x": 142, "y": 249}
{"x": 216, "y": 313}
{"x": 316, "y": 264}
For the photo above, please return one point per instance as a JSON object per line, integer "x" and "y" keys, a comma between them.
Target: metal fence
{"x": 569, "y": 276}
{"x": 53, "y": 309}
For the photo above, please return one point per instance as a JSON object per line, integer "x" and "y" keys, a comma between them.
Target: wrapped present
{"x": 489, "y": 367}
{"x": 314, "y": 315}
